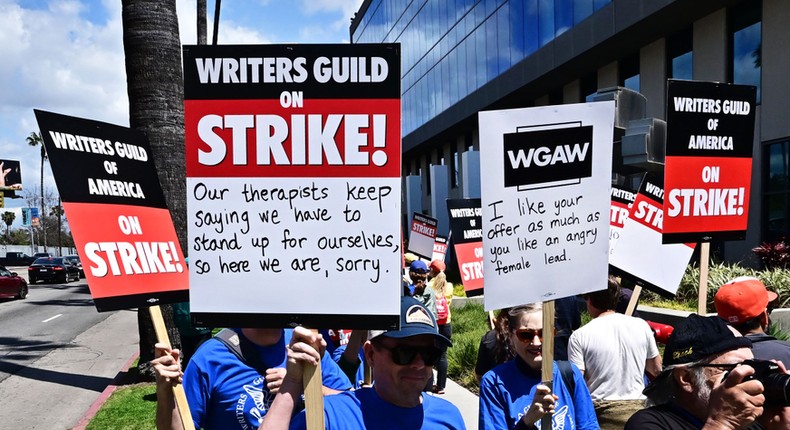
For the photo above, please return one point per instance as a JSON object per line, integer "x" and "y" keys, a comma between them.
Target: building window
{"x": 588, "y": 85}
{"x": 746, "y": 44}
{"x": 776, "y": 195}
{"x": 454, "y": 165}
{"x": 680, "y": 54}
{"x": 629, "y": 72}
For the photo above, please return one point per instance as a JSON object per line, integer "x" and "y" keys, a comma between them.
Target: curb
{"x": 94, "y": 408}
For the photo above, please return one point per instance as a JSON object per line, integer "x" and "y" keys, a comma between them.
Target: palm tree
{"x": 35, "y": 140}
{"x": 156, "y": 106}
{"x": 8, "y": 219}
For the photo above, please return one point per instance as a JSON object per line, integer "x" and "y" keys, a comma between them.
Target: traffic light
{"x": 25, "y": 217}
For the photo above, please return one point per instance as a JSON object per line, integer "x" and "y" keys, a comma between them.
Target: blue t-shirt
{"x": 224, "y": 393}
{"x": 364, "y": 409}
{"x": 506, "y": 393}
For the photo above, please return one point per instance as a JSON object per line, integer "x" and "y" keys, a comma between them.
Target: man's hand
{"x": 306, "y": 347}
{"x": 274, "y": 379}
{"x": 167, "y": 364}
{"x": 776, "y": 417}
{"x": 735, "y": 404}
{"x": 542, "y": 404}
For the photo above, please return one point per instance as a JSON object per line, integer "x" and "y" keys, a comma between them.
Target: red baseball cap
{"x": 438, "y": 265}
{"x": 742, "y": 299}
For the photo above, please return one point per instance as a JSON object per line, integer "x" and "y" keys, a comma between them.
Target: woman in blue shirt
{"x": 508, "y": 397}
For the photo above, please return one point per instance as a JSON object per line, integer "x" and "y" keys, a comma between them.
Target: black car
{"x": 53, "y": 269}
{"x": 75, "y": 260}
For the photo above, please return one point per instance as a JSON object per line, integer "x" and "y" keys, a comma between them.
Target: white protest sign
{"x": 639, "y": 252}
{"x": 422, "y": 235}
{"x": 545, "y": 176}
{"x": 293, "y": 184}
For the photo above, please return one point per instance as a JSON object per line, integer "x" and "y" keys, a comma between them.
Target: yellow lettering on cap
{"x": 678, "y": 354}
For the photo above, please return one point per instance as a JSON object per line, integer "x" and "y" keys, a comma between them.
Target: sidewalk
{"x": 466, "y": 401}
{"x": 57, "y": 390}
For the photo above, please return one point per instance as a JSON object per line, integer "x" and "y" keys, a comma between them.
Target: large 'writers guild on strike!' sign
{"x": 293, "y": 184}
{"x": 117, "y": 212}
{"x": 546, "y": 176}
{"x": 710, "y": 139}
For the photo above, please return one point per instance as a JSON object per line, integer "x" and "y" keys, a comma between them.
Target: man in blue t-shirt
{"x": 402, "y": 362}
{"x": 225, "y": 391}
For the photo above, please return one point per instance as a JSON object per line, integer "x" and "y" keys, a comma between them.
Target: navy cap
{"x": 418, "y": 266}
{"x": 415, "y": 320}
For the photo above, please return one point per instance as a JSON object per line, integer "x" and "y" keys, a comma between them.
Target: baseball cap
{"x": 742, "y": 299}
{"x": 410, "y": 257}
{"x": 415, "y": 320}
{"x": 694, "y": 339}
{"x": 418, "y": 266}
{"x": 438, "y": 265}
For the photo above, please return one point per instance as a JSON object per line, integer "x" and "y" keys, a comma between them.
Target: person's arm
{"x": 735, "y": 404}
{"x": 653, "y": 366}
{"x": 776, "y": 417}
{"x": 168, "y": 372}
{"x": 300, "y": 352}
{"x": 575, "y": 352}
{"x": 349, "y": 361}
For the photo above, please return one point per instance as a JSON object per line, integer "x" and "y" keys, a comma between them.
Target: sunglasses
{"x": 404, "y": 355}
{"x": 526, "y": 335}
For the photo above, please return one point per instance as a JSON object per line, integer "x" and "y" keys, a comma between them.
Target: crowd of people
{"x": 717, "y": 372}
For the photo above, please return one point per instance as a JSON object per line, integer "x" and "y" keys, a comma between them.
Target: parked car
{"x": 53, "y": 269}
{"x": 11, "y": 285}
{"x": 75, "y": 260}
{"x": 16, "y": 259}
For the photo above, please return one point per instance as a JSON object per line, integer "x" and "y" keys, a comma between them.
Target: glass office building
{"x": 463, "y": 56}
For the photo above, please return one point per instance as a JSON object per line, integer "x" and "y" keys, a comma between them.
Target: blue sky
{"x": 66, "y": 56}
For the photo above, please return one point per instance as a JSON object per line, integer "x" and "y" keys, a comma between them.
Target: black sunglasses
{"x": 404, "y": 355}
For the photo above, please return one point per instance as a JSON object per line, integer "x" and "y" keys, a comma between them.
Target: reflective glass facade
{"x": 450, "y": 48}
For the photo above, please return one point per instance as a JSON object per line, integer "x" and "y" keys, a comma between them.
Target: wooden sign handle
{"x": 547, "y": 352}
{"x": 313, "y": 397}
{"x": 178, "y": 389}
{"x": 634, "y": 299}
{"x": 704, "y": 256}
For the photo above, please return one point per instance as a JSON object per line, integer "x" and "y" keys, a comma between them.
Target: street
{"x": 57, "y": 354}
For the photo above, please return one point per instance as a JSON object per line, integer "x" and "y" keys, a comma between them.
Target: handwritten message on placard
{"x": 545, "y": 201}
{"x": 293, "y": 184}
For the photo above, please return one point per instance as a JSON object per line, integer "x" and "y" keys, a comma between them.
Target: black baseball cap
{"x": 416, "y": 319}
{"x": 694, "y": 339}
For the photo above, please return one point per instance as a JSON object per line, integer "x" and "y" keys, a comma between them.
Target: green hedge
{"x": 777, "y": 280}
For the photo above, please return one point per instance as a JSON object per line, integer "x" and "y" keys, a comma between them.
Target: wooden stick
{"x": 491, "y": 320}
{"x": 704, "y": 256}
{"x": 634, "y": 299}
{"x": 368, "y": 378}
{"x": 178, "y": 390}
{"x": 547, "y": 354}
{"x": 313, "y": 397}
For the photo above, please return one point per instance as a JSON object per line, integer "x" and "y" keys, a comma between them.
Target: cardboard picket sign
{"x": 117, "y": 212}
{"x": 545, "y": 180}
{"x": 708, "y": 172}
{"x": 439, "y": 248}
{"x": 466, "y": 228}
{"x": 621, "y": 205}
{"x": 639, "y": 253}
{"x": 422, "y": 235}
{"x": 293, "y": 184}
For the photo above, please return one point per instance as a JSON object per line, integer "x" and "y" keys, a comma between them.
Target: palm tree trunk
{"x": 43, "y": 205}
{"x": 156, "y": 106}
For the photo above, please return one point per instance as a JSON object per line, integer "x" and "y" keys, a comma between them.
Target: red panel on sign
{"x": 133, "y": 250}
{"x": 470, "y": 263}
{"x": 706, "y": 194}
{"x": 324, "y": 138}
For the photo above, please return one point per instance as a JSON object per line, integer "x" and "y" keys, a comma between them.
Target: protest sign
{"x": 10, "y": 176}
{"x": 116, "y": 211}
{"x": 439, "y": 248}
{"x": 293, "y": 184}
{"x": 466, "y": 230}
{"x": 422, "y": 235}
{"x": 618, "y": 213}
{"x": 545, "y": 176}
{"x": 707, "y": 178}
{"x": 639, "y": 253}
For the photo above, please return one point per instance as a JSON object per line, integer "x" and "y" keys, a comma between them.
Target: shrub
{"x": 774, "y": 255}
{"x": 470, "y": 323}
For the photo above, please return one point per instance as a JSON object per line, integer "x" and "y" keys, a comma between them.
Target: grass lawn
{"x": 130, "y": 407}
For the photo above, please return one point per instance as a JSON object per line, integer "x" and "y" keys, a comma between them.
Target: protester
{"x": 494, "y": 346}
{"x": 614, "y": 351}
{"x": 444, "y": 297}
{"x": 418, "y": 272}
{"x": 743, "y": 304}
{"x": 345, "y": 348}
{"x": 706, "y": 384}
{"x": 511, "y": 394}
{"x": 408, "y": 258}
{"x": 229, "y": 391}
{"x": 402, "y": 361}
{"x": 567, "y": 319}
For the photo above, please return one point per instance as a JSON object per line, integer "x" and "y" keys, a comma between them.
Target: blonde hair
{"x": 439, "y": 283}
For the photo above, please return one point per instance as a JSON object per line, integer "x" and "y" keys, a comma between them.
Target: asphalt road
{"x": 57, "y": 354}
